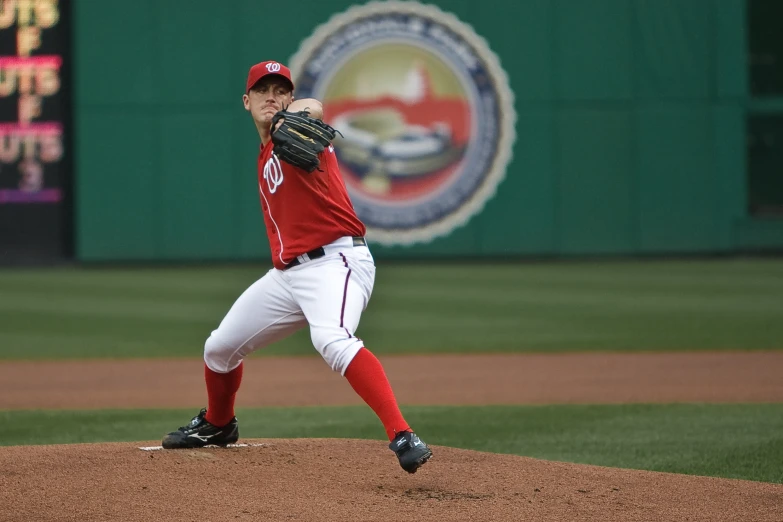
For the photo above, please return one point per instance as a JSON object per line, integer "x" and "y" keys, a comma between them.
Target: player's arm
{"x": 309, "y": 104}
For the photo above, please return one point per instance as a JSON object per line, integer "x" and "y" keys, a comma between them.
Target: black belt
{"x": 320, "y": 252}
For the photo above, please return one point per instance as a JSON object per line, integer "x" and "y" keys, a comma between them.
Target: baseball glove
{"x": 300, "y": 139}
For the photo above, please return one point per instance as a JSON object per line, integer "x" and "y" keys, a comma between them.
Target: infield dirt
{"x": 359, "y": 480}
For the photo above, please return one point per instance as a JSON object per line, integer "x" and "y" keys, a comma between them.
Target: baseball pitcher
{"x": 323, "y": 272}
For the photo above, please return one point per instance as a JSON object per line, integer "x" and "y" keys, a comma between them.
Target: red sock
{"x": 366, "y": 376}
{"x": 221, "y": 392}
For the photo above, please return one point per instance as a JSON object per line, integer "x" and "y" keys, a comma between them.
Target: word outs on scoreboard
{"x": 35, "y": 174}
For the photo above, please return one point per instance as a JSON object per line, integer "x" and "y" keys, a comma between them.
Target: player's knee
{"x": 336, "y": 347}
{"x": 220, "y": 356}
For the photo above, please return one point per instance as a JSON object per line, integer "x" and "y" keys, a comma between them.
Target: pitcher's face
{"x": 268, "y": 96}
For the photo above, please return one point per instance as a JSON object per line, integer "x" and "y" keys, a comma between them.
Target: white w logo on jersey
{"x": 273, "y": 173}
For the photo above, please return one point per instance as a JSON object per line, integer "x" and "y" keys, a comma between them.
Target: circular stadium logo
{"x": 425, "y": 111}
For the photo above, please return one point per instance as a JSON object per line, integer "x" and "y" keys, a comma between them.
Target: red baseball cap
{"x": 262, "y": 69}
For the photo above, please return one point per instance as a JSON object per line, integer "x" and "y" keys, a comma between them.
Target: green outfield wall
{"x": 630, "y": 130}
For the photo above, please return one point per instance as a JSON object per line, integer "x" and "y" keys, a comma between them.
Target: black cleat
{"x": 410, "y": 450}
{"x": 200, "y": 433}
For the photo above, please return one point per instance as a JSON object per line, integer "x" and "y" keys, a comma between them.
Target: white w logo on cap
{"x": 273, "y": 67}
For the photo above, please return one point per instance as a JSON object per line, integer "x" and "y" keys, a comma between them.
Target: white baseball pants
{"x": 329, "y": 293}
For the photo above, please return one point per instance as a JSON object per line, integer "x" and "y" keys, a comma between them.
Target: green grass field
{"x": 732, "y": 441}
{"x": 618, "y": 306}
{"x": 74, "y": 313}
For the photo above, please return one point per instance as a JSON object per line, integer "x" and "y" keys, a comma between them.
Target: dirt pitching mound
{"x": 351, "y": 480}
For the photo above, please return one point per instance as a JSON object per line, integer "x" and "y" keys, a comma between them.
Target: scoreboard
{"x": 35, "y": 170}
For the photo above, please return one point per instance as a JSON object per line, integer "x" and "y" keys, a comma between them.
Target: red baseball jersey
{"x": 303, "y": 210}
